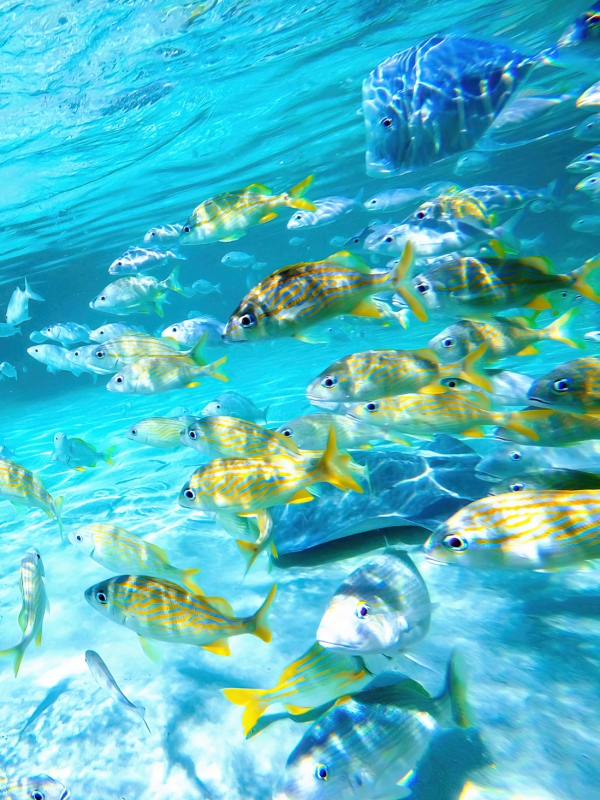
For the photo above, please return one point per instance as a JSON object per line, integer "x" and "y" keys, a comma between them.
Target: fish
{"x": 138, "y": 260}
{"x": 227, "y": 216}
{"x": 128, "y": 348}
{"x": 426, "y": 414}
{"x": 592, "y": 336}
{"x": 36, "y": 787}
{"x": 396, "y": 199}
{"x": 586, "y": 162}
{"x": 239, "y": 260}
{"x": 7, "y": 330}
{"x": 457, "y": 205}
{"x": 315, "y": 678}
{"x": 470, "y": 163}
{"x": 165, "y": 234}
{"x": 163, "y": 432}
{"x": 136, "y": 293}
{"x": 310, "y": 432}
{"x": 67, "y": 333}
{"x": 383, "y": 607}
{"x": 7, "y": 370}
{"x": 78, "y": 454}
{"x": 539, "y": 530}
{"x": 84, "y": 359}
{"x": 160, "y": 610}
{"x": 35, "y": 605}
{"x": 467, "y": 287}
{"x": 54, "y": 357}
{"x": 589, "y": 129}
{"x": 528, "y": 107}
{"x": 6, "y": 452}
{"x": 296, "y": 241}
{"x": 357, "y": 242}
{"x": 18, "y": 305}
{"x": 562, "y": 479}
{"x": 103, "y": 677}
{"x": 204, "y": 287}
{"x": 508, "y": 460}
{"x": 123, "y": 552}
{"x": 294, "y": 298}
{"x": 112, "y": 330}
{"x": 587, "y": 224}
{"x": 327, "y": 210}
{"x": 508, "y": 388}
{"x": 188, "y": 332}
{"x": 504, "y": 337}
{"x": 555, "y": 428}
{"x": 234, "y": 404}
{"x": 155, "y": 375}
{"x": 24, "y": 489}
{"x": 590, "y": 186}
{"x": 227, "y": 437}
{"x": 573, "y": 387}
{"x": 368, "y": 746}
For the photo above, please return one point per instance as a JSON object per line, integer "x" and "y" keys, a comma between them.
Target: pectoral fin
{"x": 296, "y": 709}
{"x": 267, "y": 217}
{"x": 365, "y": 308}
{"x": 219, "y": 648}
{"x": 149, "y": 649}
{"x": 302, "y": 496}
{"x": 539, "y": 304}
{"x": 475, "y": 433}
{"x": 530, "y": 350}
{"x": 234, "y": 237}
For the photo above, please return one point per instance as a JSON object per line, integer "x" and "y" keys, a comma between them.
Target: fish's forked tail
{"x": 198, "y": 353}
{"x": 398, "y": 278}
{"x": 336, "y": 467}
{"x": 31, "y": 294}
{"x": 580, "y": 276}
{"x": 172, "y": 282}
{"x": 108, "y": 456}
{"x": 259, "y": 623}
{"x": 471, "y": 369}
{"x": 187, "y": 578}
{"x": 557, "y": 331}
{"x": 251, "y": 550}
{"x": 253, "y": 700}
{"x": 16, "y": 653}
{"x": 212, "y": 370}
{"x": 296, "y": 197}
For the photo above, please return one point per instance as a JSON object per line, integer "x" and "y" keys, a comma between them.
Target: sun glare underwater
{"x": 299, "y": 400}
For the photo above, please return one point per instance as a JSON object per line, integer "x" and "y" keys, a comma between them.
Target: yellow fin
{"x": 474, "y": 433}
{"x": 148, "y": 648}
{"x": 219, "y": 648}
{"x": 251, "y": 698}
{"x": 539, "y": 304}
{"x": 296, "y": 710}
{"x": 557, "y": 332}
{"x": 365, "y": 308}
{"x": 79, "y": 469}
{"x": 498, "y": 247}
{"x": 435, "y": 387}
{"x": 428, "y": 354}
{"x": 258, "y": 188}
{"x": 38, "y": 639}
{"x": 398, "y": 277}
{"x": 580, "y": 283}
{"x": 335, "y": 467}
{"x": 158, "y": 552}
{"x": 259, "y": 624}
{"x": 234, "y": 237}
{"x": 344, "y": 699}
{"x": 344, "y": 258}
{"x": 192, "y": 385}
{"x": 514, "y": 423}
{"x": 221, "y": 605}
{"x": 301, "y": 496}
{"x": 187, "y": 576}
{"x": 530, "y": 350}
{"x": 296, "y": 193}
{"x": 267, "y": 217}
{"x": 540, "y": 263}
{"x": 471, "y": 374}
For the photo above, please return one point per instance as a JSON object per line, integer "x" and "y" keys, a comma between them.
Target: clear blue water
{"x": 118, "y": 116}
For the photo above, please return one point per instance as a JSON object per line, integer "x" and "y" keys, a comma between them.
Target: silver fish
{"x": 103, "y": 677}
{"x": 188, "y": 332}
{"x": 7, "y": 370}
{"x": 234, "y": 404}
{"x": 137, "y": 260}
{"x": 66, "y": 333}
{"x": 589, "y": 129}
{"x": 586, "y": 162}
{"x": 203, "y": 287}
{"x": 164, "y": 234}
{"x": 113, "y": 329}
{"x": 77, "y": 453}
{"x": 18, "y": 305}
{"x": 36, "y": 787}
{"x": 328, "y": 210}
{"x": 136, "y": 293}
{"x": 587, "y": 224}
{"x": 54, "y": 357}
{"x": 7, "y": 330}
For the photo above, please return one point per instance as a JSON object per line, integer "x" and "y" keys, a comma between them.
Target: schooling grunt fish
{"x": 123, "y": 552}
{"x": 24, "y": 488}
{"x": 508, "y": 460}
{"x": 77, "y": 453}
{"x": 35, "y": 605}
{"x": 586, "y": 162}
{"x": 295, "y": 298}
{"x": 136, "y": 293}
{"x": 67, "y": 333}
{"x": 103, "y": 677}
{"x": 310, "y": 432}
{"x": 554, "y": 428}
{"x": 164, "y": 374}
{"x": 314, "y": 679}
{"x": 188, "y": 332}
{"x": 112, "y": 330}
{"x": 37, "y": 787}
{"x": 328, "y": 209}
{"x": 227, "y": 216}
{"x": 521, "y": 530}
{"x": 562, "y": 479}
{"x": 381, "y": 607}
{"x": 138, "y": 260}
{"x": 227, "y": 437}
{"x": 234, "y": 404}
{"x": 573, "y": 387}
{"x": 165, "y": 234}
{"x": 163, "y": 432}
{"x": 130, "y": 347}
{"x": 163, "y": 611}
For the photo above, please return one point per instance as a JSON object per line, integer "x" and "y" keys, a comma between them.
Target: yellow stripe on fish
{"x": 572, "y": 387}
{"x": 23, "y": 488}
{"x": 230, "y": 436}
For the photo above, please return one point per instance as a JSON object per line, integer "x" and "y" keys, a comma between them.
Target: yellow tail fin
{"x": 251, "y": 698}
{"x": 471, "y": 373}
{"x": 16, "y": 653}
{"x": 296, "y": 193}
{"x": 186, "y": 578}
{"x": 336, "y": 467}
{"x": 580, "y": 277}
{"x": 213, "y": 370}
{"x": 398, "y": 279}
{"x": 250, "y": 552}
{"x": 197, "y": 353}
{"x": 259, "y": 624}
{"x": 558, "y": 333}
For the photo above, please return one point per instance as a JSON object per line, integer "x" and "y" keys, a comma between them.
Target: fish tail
{"x": 514, "y": 422}
{"x": 197, "y": 353}
{"x": 31, "y": 294}
{"x": 252, "y": 699}
{"x": 187, "y": 576}
{"x": 172, "y": 282}
{"x": 557, "y": 330}
{"x": 580, "y": 277}
{"x": 142, "y": 713}
{"x": 213, "y": 370}
{"x": 57, "y": 506}
{"x": 259, "y": 623}
{"x": 109, "y": 454}
{"x": 296, "y": 193}
{"x": 471, "y": 369}
{"x": 217, "y": 288}
{"x": 397, "y": 278}
{"x": 16, "y": 653}
{"x": 455, "y": 691}
{"x": 250, "y": 551}
{"x": 551, "y": 192}
{"x": 335, "y": 467}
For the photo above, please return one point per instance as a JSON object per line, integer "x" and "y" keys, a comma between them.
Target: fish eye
{"x": 174, "y": 329}
{"x": 102, "y": 598}
{"x": 101, "y": 332}
{"x": 118, "y": 379}
{"x": 588, "y": 158}
{"x": 516, "y": 487}
{"x": 362, "y": 610}
{"x": 422, "y": 287}
{"x": 386, "y": 122}
{"x": 37, "y": 795}
{"x": 421, "y": 214}
{"x": 372, "y": 406}
{"x": 562, "y": 385}
{"x": 133, "y": 431}
{"x": 248, "y": 320}
{"x": 79, "y": 537}
{"x": 190, "y": 494}
{"x": 451, "y": 384}
{"x": 192, "y": 434}
{"x": 186, "y": 229}
{"x": 515, "y": 455}
{"x": 218, "y": 406}
{"x": 389, "y": 239}
{"x": 329, "y": 381}
{"x": 287, "y": 432}
{"x": 119, "y": 263}
{"x": 103, "y": 297}
{"x": 448, "y": 342}
{"x": 456, "y": 543}
{"x": 372, "y": 202}
{"x": 297, "y": 216}
{"x": 321, "y": 772}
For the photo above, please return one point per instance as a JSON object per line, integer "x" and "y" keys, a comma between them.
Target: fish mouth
{"x": 338, "y": 645}
{"x": 538, "y": 400}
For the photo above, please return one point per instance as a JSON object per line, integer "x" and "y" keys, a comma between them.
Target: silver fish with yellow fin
{"x": 527, "y": 530}
{"x": 315, "y": 678}
{"x": 129, "y": 347}
{"x": 35, "y": 605}
{"x": 227, "y": 437}
{"x": 227, "y": 216}
{"x": 166, "y": 374}
{"x": 163, "y": 432}
{"x": 310, "y": 432}
{"x": 136, "y": 293}
{"x": 572, "y": 387}
{"x": 554, "y": 428}
{"x": 121, "y": 551}
{"x": 295, "y": 298}
{"x": 24, "y": 489}
{"x": 163, "y": 611}
{"x": 77, "y": 453}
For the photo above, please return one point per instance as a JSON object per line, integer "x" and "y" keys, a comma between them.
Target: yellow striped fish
{"x": 231, "y": 436}
{"x": 383, "y": 373}
{"x": 315, "y": 678}
{"x": 131, "y": 347}
{"x": 521, "y": 530}
{"x": 504, "y": 337}
{"x": 311, "y": 431}
{"x": 35, "y": 605}
{"x": 37, "y": 787}
{"x": 121, "y": 551}
{"x": 454, "y": 206}
{"x": 163, "y": 611}
{"x": 573, "y": 387}
{"x": 159, "y": 375}
{"x": 425, "y": 415}
{"x": 296, "y": 297}
{"x": 554, "y": 428}
{"x": 227, "y": 216}
{"x": 23, "y": 488}
{"x": 163, "y": 432}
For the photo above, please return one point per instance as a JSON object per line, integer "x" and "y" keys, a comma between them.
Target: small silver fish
{"x": 7, "y": 330}
{"x": 586, "y": 162}
{"x": 136, "y": 293}
{"x": 113, "y": 329}
{"x": 395, "y": 199}
{"x": 189, "y": 331}
{"x": 590, "y": 186}
{"x": 7, "y": 370}
{"x": 103, "y": 677}
{"x": 240, "y": 260}
{"x": 66, "y": 333}
{"x": 139, "y": 259}
{"x": 589, "y": 129}
{"x": 163, "y": 233}
{"x": 328, "y": 210}
{"x": 296, "y": 241}
{"x": 587, "y": 224}
{"x": 470, "y": 163}
{"x": 18, "y": 305}
{"x": 54, "y": 357}
{"x": 234, "y": 404}
{"x": 77, "y": 453}
{"x": 36, "y": 787}
{"x": 204, "y": 287}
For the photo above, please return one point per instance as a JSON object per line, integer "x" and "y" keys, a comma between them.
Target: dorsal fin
{"x": 258, "y": 188}
{"x": 346, "y": 259}
{"x": 158, "y": 552}
{"x": 221, "y": 605}
{"x": 544, "y": 265}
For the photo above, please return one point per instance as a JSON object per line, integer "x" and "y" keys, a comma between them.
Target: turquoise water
{"x": 120, "y": 116}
